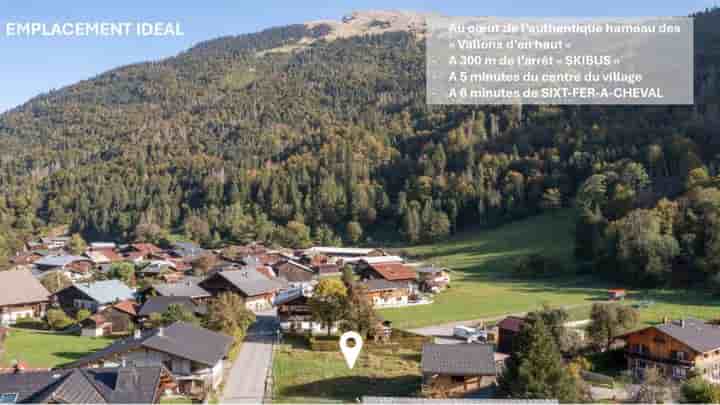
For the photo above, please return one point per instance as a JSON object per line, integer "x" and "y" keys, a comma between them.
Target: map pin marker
{"x": 351, "y": 353}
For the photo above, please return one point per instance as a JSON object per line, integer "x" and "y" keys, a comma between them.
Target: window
{"x": 457, "y": 379}
{"x": 8, "y": 398}
{"x": 678, "y": 355}
{"x": 679, "y": 372}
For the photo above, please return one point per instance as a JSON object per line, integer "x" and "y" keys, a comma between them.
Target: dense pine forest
{"x": 275, "y": 138}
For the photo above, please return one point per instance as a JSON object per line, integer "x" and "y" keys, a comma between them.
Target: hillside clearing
{"x": 482, "y": 286}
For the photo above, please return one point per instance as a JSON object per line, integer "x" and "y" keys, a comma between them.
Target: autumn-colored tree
{"x": 329, "y": 302}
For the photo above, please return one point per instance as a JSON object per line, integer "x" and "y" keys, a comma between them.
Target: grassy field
{"x": 481, "y": 283}
{"x": 482, "y": 286}
{"x": 39, "y": 349}
{"x": 301, "y": 375}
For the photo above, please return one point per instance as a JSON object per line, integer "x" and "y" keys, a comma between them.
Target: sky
{"x": 33, "y": 65}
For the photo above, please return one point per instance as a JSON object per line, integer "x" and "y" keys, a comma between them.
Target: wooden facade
{"x": 9, "y": 314}
{"x": 389, "y": 297}
{"x": 651, "y": 347}
{"x": 450, "y": 386}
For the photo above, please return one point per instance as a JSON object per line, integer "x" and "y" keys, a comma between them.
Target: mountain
{"x": 320, "y": 132}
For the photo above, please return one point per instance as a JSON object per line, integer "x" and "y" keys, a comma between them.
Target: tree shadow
{"x": 354, "y": 387}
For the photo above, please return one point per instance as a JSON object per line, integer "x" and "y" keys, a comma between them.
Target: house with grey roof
{"x": 187, "y": 287}
{"x": 75, "y": 267}
{"x": 256, "y": 289}
{"x": 126, "y": 385}
{"x": 160, "y": 305}
{"x": 22, "y": 296}
{"x": 94, "y": 296}
{"x": 186, "y": 249}
{"x": 458, "y": 370}
{"x": 675, "y": 347}
{"x": 194, "y": 355}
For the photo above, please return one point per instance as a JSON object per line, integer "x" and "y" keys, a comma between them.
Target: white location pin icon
{"x": 351, "y": 353}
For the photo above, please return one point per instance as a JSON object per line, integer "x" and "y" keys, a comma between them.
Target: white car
{"x": 471, "y": 335}
{"x": 464, "y": 332}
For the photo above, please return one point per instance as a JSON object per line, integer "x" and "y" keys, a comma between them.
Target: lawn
{"x": 43, "y": 349}
{"x": 301, "y": 375}
{"x": 482, "y": 286}
{"x": 481, "y": 282}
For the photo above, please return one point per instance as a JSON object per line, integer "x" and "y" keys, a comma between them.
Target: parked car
{"x": 471, "y": 335}
{"x": 464, "y": 332}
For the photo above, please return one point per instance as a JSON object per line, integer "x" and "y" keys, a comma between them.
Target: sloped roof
{"x": 85, "y": 386}
{"x": 146, "y": 248}
{"x": 251, "y": 283}
{"x": 160, "y": 305}
{"x": 59, "y": 261}
{"x": 697, "y": 334}
{"x": 128, "y": 306}
{"x": 331, "y": 250}
{"x": 380, "y": 284}
{"x": 106, "y": 291}
{"x": 111, "y": 254}
{"x": 382, "y": 259}
{"x": 512, "y": 323}
{"x": 187, "y": 287}
{"x": 290, "y": 295}
{"x": 179, "y": 339}
{"x": 394, "y": 271}
{"x": 458, "y": 360}
{"x": 20, "y": 287}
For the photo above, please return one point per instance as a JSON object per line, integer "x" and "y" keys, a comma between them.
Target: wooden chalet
{"x": 23, "y": 296}
{"x": 451, "y": 371}
{"x": 675, "y": 348}
{"x": 257, "y": 290}
{"x": 383, "y": 293}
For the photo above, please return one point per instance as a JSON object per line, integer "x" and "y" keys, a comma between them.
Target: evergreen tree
{"x": 535, "y": 369}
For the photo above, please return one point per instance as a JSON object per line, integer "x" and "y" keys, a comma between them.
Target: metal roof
{"x": 59, "y": 261}
{"x": 106, "y": 291}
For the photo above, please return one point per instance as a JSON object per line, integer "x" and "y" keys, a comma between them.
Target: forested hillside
{"x": 286, "y": 136}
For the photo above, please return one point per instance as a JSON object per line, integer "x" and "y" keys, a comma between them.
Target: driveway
{"x": 246, "y": 380}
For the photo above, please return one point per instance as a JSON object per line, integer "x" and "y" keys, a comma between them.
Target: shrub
{"x": 82, "y": 315}
{"x": 58, "y": 319}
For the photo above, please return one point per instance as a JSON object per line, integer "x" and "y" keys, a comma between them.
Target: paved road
{"x": 246, "y": 380}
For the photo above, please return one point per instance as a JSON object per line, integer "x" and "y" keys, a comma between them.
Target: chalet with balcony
{"x": 22, "y": 297}
{"x": 675, "y": 348}
{"x": 391, "y": 271}
{"x": 93, "y": 296}
{"x": 194, "y": 356}
{"x": 451, "y": 371}
{"x": 383, "y": 293}
{"x": 257, "y": 290}
{"x": 294, "y": 313}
